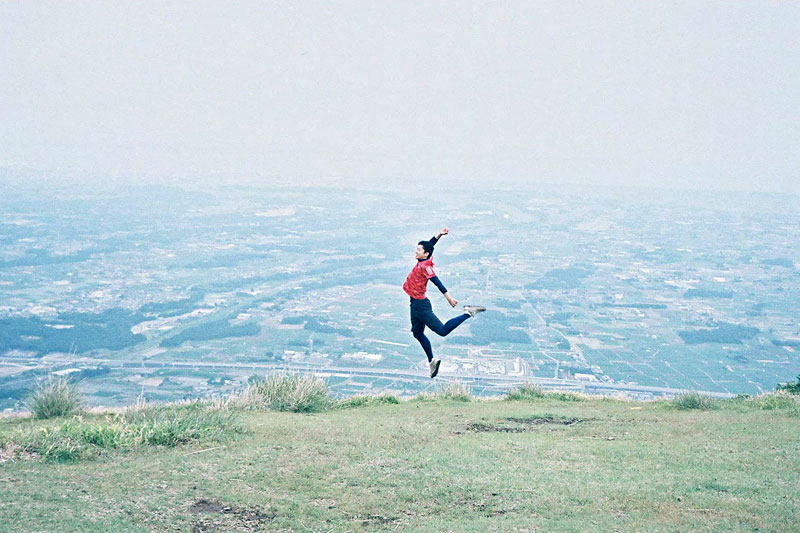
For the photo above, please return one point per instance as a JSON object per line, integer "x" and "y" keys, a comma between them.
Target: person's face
{"x": 421, "y": 253}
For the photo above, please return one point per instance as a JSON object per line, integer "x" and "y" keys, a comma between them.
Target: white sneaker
{"x": 435, "y": 367}
{"x": 473, "y": 310}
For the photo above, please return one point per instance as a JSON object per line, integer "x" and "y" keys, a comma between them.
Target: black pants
{"x": 422, "y": 315}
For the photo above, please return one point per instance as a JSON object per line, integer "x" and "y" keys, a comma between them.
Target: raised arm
{"x": 442, "y": 232}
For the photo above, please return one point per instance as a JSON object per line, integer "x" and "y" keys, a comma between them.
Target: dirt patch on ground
{"x": 534, "y": 420}
{"x": 491, "y": 504}
{"x": 14, "y": 452}
{"x": 521, "y": 425}
{"x": 480, "y": 428}
{"x": 374, "y": 519}
{"x": 217, "y": 516}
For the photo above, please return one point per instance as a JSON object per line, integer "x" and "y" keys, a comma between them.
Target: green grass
{"x": 781, "y": 400}
{"x": 454, "y": 390}
{"x": 56, "y": 396}
{"x": 88, "y": 436}
{"x": 531, "y": 391}
{"x": 286, "y": 392}
{"x": 693, "y": 400}
{"x": 526, "y": 391}
{"x": 542, "y": 464}
{"x": 366, "y": 401}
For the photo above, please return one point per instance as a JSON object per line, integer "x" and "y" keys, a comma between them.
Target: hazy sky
{"x": 677, "y": 94}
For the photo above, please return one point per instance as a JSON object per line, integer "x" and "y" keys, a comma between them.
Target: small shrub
{"x": 692, "y": 400}
{"x": 287, "y": 392}
{"x": 454, "y": 390}
{"x": 366, "y": 401}
{"x": 780, "y": 400}
{"x": 565, "y": 396}
{"x": 791, "y": 388}
{"x": 526, "y": 391}
{"x": 54, "y": 397}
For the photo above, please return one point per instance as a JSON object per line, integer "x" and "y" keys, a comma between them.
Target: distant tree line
{"x": 84, "y": 332}
{"x": 316, "y": 324}
{"x": 723, "y": 333}
{"x": 562, "y": 278}
{"x": 174, "y": 307}
{"x": 218, "y": 329}
{"x": 494, "y": 326}
{"x": 779, "y": 261}
{"x": 707, "y": 293}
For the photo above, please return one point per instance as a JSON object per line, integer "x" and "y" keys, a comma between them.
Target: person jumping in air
{"x": 421, "y": 312}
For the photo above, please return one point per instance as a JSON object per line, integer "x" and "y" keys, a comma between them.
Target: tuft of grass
{"x": 366, "y": 401}
{"x": 55, "y": 397}
{"x": 59, "y": 443}
{"x": 286, "y": 392}
{"x": 171, "y": 425}
{"x": 454, "y": 390}
{"x": 423, "y": 397}
{"x": 566, "y": 396}
{"x": 781, "y": 400}
{"x": 526, "y": 391}
{"x": 166, "y": 425}
{"x": 692, "y": 400}
{"x": 111, "y": 434}
{"x": 532, "y": 391}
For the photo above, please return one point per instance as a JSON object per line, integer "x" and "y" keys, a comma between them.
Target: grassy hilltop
{"x": 447, "y": 462}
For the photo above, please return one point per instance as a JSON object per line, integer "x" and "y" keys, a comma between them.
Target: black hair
{"x": 427, "y": 246}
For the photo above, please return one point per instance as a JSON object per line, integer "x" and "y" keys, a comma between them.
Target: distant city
{"x": 167, "y": 292}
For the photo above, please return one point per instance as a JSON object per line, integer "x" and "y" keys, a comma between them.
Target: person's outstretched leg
{"x": 418, "y": 330}
{"x": 433, "y": 322}
{"x": 422, "y": 315}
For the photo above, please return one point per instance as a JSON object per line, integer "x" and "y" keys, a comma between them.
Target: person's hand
{"x": 444, "y": 231}
{"x": 452, "y": 301}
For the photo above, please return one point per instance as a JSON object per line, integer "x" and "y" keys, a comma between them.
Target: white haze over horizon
{"x": 683, "y": 95}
